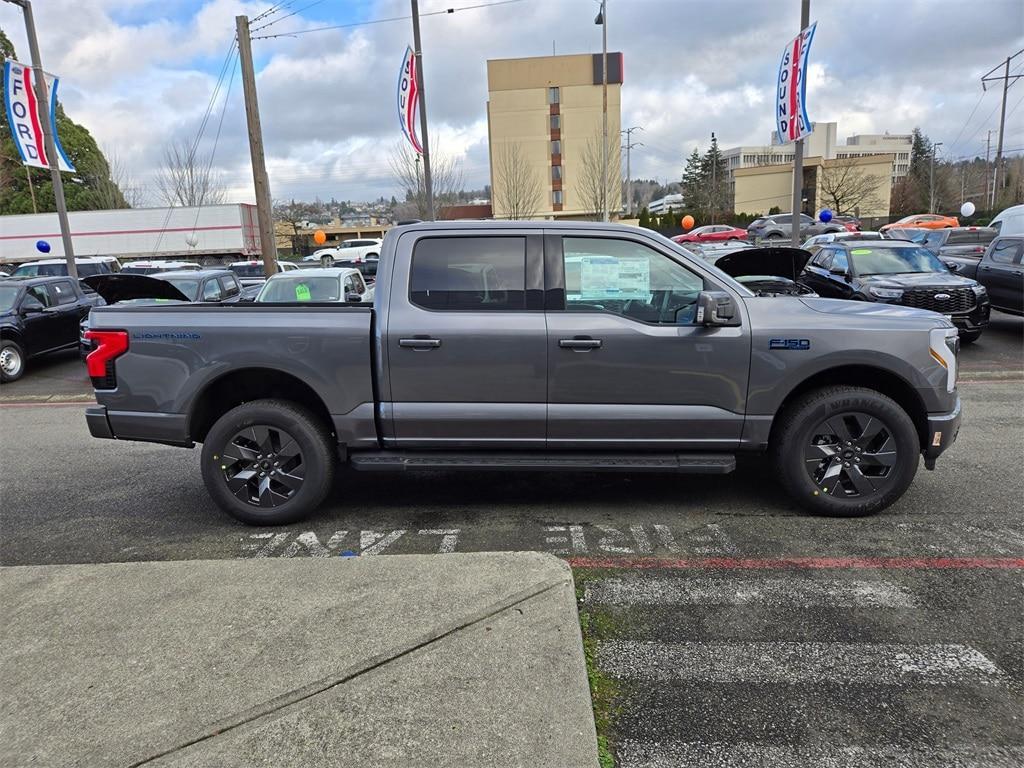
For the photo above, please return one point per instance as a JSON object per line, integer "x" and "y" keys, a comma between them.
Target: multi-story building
{"x": 822, "y": 142}
{"x": 544, "y": 122}
{"x": 663, "y": 204}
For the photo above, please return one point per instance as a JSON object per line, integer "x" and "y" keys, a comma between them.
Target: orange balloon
{"x": 688, "y": 222}
{"x": 319, "y": 237}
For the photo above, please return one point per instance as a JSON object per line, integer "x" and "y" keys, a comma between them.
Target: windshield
{"x": 299, "y": 288}
{"x": 189, "y": 287}
{"x": 247, "y": 270}
{"x": 8, "y": 295}
{"x": 894, "y": 261}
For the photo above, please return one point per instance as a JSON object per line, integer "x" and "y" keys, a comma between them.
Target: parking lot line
{"x": 634, "y": 754}
{"x": 799, "y": 662}
{"x": 768, "y": 563}
{"x": 793, "y": 591}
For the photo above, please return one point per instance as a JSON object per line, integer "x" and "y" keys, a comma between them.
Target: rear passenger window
{"x": 469, "y": 273}
{"x": 1007, "y": 251}
{"x": 211, "y": 291}
{"x": 64, "y": 292}
{"x": 230, "y": 285}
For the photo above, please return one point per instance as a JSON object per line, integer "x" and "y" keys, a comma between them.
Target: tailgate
{"x": 175, "y": 353}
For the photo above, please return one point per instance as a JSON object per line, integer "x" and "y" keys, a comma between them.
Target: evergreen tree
{"x": 714, "y": 173}
{"x": 90, "y": 187}
{"x": 645, "y": 218}
{"x": 693, "y": 187}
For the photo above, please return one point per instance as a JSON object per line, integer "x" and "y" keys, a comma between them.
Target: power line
{"x": 297, "y": 32}
{"x": 286, "y": 16}
{"x": 968, "y": 120}
{"x": 273, "y": 9}
{"x": 216, "y": 138}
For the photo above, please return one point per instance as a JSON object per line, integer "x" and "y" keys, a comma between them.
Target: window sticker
{"x": 606, "y": 277}
{"x": 302, "y": 292}
{"x": 861, "y": 251}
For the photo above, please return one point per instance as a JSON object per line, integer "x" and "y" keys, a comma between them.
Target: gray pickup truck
{"x": 1000, "y": 269}
{"x": 533, "y": 346}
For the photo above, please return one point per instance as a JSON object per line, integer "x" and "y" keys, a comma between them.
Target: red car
{"x": 712, "y": 233}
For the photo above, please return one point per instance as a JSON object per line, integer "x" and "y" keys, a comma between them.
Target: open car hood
{"x": 119, "y": 287}
{"x": 780, "y": 262}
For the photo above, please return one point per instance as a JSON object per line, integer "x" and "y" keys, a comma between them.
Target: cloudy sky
{"x": 140, "y": 73}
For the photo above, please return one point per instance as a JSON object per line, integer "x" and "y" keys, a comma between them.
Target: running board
{"x": 686, "y": 463}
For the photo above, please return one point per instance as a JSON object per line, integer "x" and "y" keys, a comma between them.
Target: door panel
{"x": 466, "y": 342}
{"x": 642, "y": 380}
{"x": 1003, "y": 274}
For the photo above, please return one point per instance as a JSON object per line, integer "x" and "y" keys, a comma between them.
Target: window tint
{"x": 840, "y": 261}
{"x": 40, "y": 294}
{"x": 64, "y": 292}
{"x": 230, "y": 285}
{"x": 469, "y": 273}
{"x": 823, "y": 258}
{"x": 212, "y": 291}
{"x": 784, "y": 218}
{"x": 1007, "y": 251}
{"x": 628, "y": 279}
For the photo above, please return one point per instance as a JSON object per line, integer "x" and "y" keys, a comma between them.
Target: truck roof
{"x": 595, "y": 226}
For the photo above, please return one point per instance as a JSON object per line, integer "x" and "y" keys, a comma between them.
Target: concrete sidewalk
{"x": 440, "y": 660}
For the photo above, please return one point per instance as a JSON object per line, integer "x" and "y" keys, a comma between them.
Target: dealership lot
{"x": 728, "y": 628}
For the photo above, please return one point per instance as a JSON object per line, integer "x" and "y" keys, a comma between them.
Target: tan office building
{"x": 763, "y": 187}
{"x": 544, "y": 127}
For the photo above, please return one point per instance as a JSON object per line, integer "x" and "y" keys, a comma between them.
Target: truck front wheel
{"x": 268, "y": 462}
{"x": 845, "y": 451}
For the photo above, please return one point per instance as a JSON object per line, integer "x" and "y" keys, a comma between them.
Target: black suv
{"x": 898, "y": 272}
{"x": 39, "y": 315}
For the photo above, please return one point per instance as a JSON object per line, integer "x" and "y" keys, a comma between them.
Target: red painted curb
{"x": 755, "y": 563}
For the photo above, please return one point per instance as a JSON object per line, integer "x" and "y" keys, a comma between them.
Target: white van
{"x": 87, "y": 266}
{"x": 1010, "y": 221}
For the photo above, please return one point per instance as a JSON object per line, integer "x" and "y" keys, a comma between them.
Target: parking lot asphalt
{"x": 726, "y": 628}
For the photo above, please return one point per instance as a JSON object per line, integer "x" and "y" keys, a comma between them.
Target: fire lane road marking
{"x": 794, "y": 663}
{"x": 637, "y": 754}
{"x": 794, "y": 591}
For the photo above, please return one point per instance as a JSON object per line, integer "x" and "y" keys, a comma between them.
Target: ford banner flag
{"x": 23, "y": 116}
{"x": 791, "y": 93}
{"x": 408, "y": 99}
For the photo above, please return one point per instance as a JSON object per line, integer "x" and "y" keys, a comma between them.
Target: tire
{"x": 814, "y": 426}
{"x": 773, "y": 236}
{"x": 12, "y": 361}
{"x": 969, "y": 337}
{"x": 266, "y": 429}
{"x": 372, "y": 256}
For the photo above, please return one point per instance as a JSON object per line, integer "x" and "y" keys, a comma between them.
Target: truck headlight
{"x": 979, "y": 289}
{"x": 885, "y": 293}
{"x": 943, "y": 346}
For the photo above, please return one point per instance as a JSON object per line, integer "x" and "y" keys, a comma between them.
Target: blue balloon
{"x": 825, "y": 215}
{"x": 42, "y": 246}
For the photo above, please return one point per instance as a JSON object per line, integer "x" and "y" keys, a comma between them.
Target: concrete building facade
{"x": 823, "y": 143}
{"x": 542, "y": 113}
{"x": 761, "y": 188}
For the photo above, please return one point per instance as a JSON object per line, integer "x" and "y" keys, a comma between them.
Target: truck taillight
{"x": 110, "y": 345}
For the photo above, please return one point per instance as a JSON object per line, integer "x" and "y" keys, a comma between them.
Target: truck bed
{"x": 181, "y": 351}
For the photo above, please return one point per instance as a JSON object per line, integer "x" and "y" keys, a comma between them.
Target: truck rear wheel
{"x": 12, "y": 361}
{"x": 845, "y": 451}
{"x": 268, "y": 462}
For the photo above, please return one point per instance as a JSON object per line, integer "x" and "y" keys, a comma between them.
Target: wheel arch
{"x": 880, "y": 380}
{"x": 245, "y": 385}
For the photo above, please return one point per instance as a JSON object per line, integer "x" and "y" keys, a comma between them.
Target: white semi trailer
{"x": 210, "y": 234}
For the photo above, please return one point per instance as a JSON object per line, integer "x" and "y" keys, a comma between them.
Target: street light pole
{"x": 798, "y": 148}
{"x": 629, "y": 176}
{"x": 42, "y": 97}
{"x": 602, "y": 19}
{"x": 931, "y": 178}
{"x": 428, "y": 183}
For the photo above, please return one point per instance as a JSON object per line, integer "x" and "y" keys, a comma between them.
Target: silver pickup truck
{"x": 534, "y": 346}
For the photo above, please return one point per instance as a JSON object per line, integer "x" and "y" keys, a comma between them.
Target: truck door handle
{"x": 419, "y": 343}
{"x": 580, "y": 343}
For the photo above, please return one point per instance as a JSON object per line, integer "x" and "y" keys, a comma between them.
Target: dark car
{"x": 957, "y": 241}
{"x": 852, "y": 223}
{"x": 899, "y": 272}
{"x": 39, "y": 315}
{"x": 1000, "y": 270}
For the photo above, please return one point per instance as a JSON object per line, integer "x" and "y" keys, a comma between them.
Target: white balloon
{"x": 191, "y": 240}
{"x": 967, "y": 209}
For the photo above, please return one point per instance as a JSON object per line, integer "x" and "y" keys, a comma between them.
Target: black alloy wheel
{"x": 851, "y": 455}
{"x": 263, "y": 466}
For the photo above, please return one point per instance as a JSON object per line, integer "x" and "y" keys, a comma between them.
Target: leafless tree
{"x": 186, "y": 178}
{"x": 445, "y": 174}
{"x": 595, "y": 191}
{"x": 846, "y": 188}
{"x": 517, "y": 190}
{"x": 119, "y": 189}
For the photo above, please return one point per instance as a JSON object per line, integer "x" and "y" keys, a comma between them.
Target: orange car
{"x": 923, "y": 221}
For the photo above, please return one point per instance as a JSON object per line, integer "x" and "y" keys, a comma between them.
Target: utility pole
{"x": 602, "y": 19}
{"x": 798, "y": 148}
{"x": 931, "y": 177}
{"x": 988, "y": 146}
{"x": 264, "y": 212}
{"x": 42, "y": 97}
{"x": 629, "y": 177}
{"x": 714, "y": 178}
{"x": 418, "y": 52}
{"x": 1006, "y": 78}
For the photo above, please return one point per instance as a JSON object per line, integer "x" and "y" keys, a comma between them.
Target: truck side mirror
{"x": 952, "y": 266}
{"x": 716, "y": 308}
{"x": 354, "y": 297}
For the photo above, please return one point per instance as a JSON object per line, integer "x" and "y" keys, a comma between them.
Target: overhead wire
{"x": 216, "y": 138}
